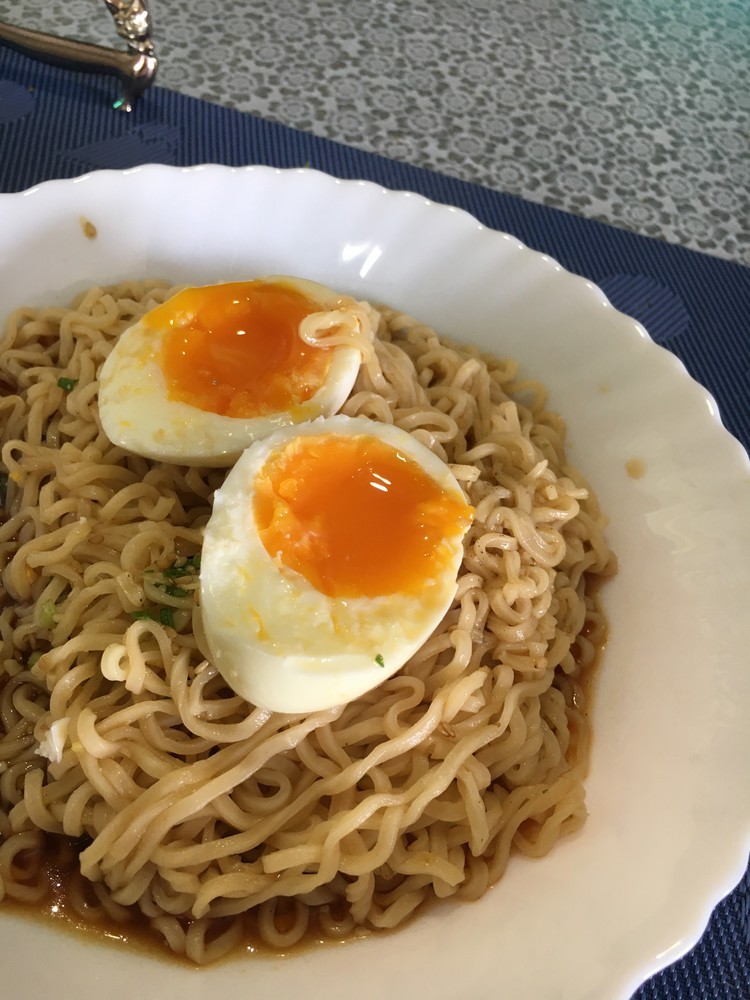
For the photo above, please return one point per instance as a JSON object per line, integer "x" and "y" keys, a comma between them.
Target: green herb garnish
{"x": 379, "y": 660}
{"x": 67, "y": 383}
{"x": 166, "y": 617}
{"x": 47, "y": 614}
{"x": 144, "y": 616}
{"x": 173, "y": 591}
{"x": 183, "y": 567}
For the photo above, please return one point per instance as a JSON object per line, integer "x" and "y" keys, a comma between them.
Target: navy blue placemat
{"x": 56, "y": 123}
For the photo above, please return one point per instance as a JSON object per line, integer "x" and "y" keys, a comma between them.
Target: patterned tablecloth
{"x": 638, "y": 119}
{"x": 634, "y": 113}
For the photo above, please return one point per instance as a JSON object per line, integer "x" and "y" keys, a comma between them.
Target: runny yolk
{"x": 234, "y": 349}
{"x": 355, "y": 516}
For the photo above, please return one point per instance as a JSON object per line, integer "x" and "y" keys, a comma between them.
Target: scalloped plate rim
{"x": 730, "y": 870}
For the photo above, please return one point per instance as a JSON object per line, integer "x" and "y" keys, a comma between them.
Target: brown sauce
{"x": 590, "y": 676}
{"x": 58, "y": 868}
{"x": 88, "y": 229}
{"x": 635, "y": 468}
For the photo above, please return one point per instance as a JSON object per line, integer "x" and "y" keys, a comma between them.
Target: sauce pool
{"x": 58, "y": 867}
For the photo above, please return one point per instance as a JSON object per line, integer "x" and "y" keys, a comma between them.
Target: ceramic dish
{"x": 668, "y": 796}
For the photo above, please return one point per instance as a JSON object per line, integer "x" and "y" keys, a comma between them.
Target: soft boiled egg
{"x": 200, "y": 377}
{"x": 330, "y": 557}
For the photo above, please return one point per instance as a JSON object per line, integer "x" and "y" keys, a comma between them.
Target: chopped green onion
{"x": 158, "y": 582}
{"x": 183, "y": 567}
{"x": 67, "y": 383}
{"x": 47, "y": 614}
{"x": 166, "y": 617}
{"x": 171, "y": 590}
{"x": 34, "y": 657}
{"x": 175, "y": 572}
{"x": 379, "y": 660}
{"x": 144, "y": 616}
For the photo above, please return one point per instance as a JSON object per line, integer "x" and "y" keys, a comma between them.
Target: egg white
{"x": 137, "y": 414}
{"x": 278, "y": 641}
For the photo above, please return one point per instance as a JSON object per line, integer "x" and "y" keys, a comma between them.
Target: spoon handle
{"x": 134, "y": 68}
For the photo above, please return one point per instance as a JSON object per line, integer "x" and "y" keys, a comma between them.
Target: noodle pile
{"x": 204, "y": 814}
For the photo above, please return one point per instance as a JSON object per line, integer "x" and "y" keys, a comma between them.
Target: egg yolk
{"x": 354, "y": 516}
{"x": 234, "y": 349}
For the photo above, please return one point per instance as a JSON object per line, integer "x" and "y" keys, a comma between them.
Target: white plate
{"x": 668, "y": 794}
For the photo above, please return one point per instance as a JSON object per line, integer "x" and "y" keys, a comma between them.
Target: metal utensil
{"x": 134, "y": 68}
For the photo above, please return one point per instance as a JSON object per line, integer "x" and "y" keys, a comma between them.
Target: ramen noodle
{"x": 197, "y": 812}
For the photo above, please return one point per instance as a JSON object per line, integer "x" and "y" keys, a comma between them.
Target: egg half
{"x": 200, "y": 377}
{"x": 330, "y": 557}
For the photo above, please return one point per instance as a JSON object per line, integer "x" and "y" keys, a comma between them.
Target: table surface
{"x": 635, "y": 114}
